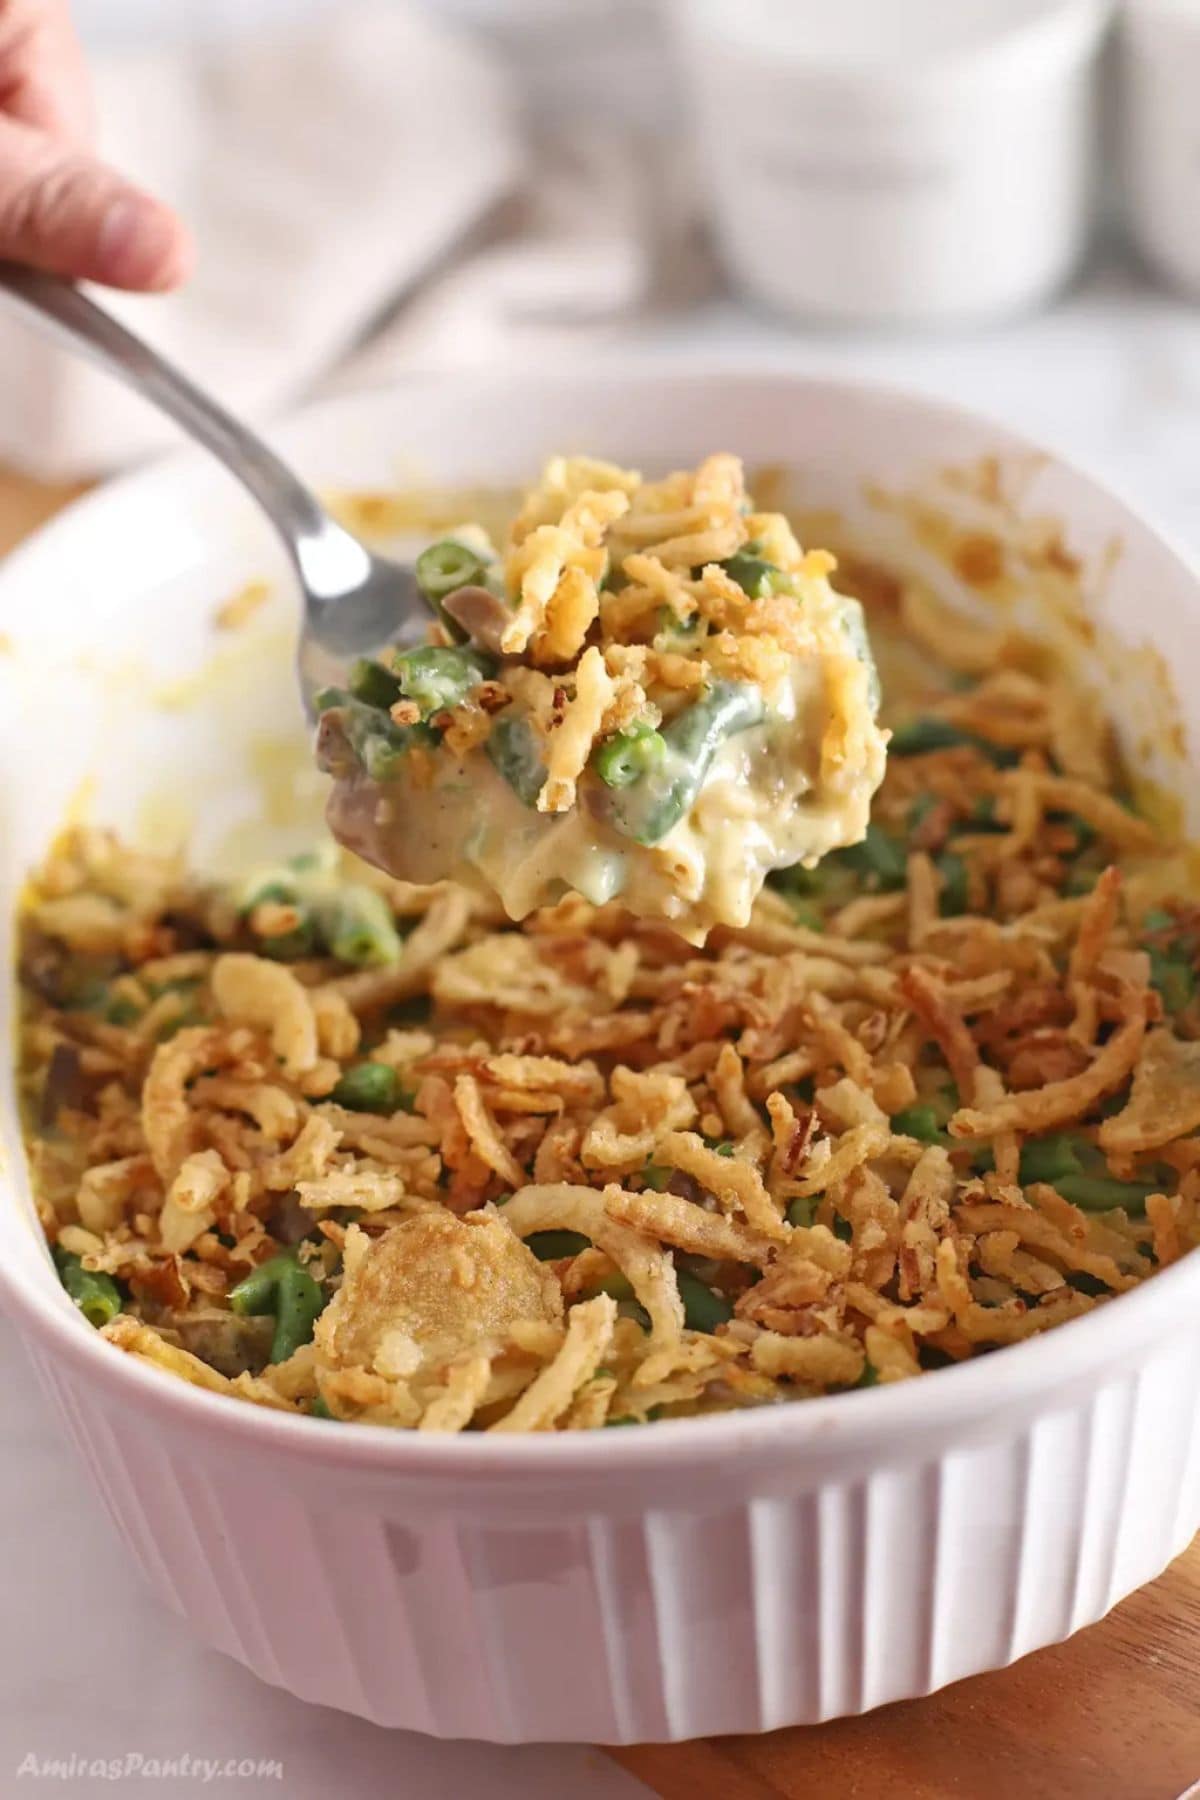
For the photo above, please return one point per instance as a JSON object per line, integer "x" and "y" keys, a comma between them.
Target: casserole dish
{"x": 713, "y": 1575}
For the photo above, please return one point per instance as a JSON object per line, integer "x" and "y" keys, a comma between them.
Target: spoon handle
{"x": 70, "y": 317}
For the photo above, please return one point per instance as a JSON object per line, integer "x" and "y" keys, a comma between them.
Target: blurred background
{"x": 995, "y": 200}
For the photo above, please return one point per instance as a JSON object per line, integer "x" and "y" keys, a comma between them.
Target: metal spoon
{"x": 354, "y": 601}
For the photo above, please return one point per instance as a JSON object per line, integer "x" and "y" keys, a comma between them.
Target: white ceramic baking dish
{"x": 720, "y": 1575}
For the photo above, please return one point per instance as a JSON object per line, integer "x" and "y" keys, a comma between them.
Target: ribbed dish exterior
{"x": 781, "y": 1590}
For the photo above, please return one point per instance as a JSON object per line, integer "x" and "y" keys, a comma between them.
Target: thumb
{"x": 64, "y": 212}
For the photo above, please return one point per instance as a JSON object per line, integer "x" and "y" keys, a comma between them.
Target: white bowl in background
{"x": 895, "y": 161}
{"x": 701, "y": 1576}
{"x": 1160, "y": 127}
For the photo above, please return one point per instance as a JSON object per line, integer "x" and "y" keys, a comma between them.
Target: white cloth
{"x": 365, "y": 200}
{"x": 323, "y": 171}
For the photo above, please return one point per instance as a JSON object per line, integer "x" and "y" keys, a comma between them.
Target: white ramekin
{"x": 1160, "y": 121}
{"x": 721, "y": 1575}
{"x": 895, "y": 161}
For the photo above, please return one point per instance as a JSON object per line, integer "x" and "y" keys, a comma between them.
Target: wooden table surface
{"x": 1114, "y": 1714}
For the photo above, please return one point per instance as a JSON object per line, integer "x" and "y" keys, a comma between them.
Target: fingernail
{"x": 138, "y": 244}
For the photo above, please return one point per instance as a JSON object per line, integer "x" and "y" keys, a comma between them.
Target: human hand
{"x": 60, "y": 208}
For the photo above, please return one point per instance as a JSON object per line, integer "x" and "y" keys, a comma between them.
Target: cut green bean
{"x": 670, "y": 625}
{"x": 649, "y": 809}
{"x": 298, "y": 1305}
{"x": 359, "y": 927}
{"x": 446, "y": 566}
{"x": 1101, "y": 1193}
{"x": 550, "y": 1246}
{"x": 920, "y": 1122}
{"x": 802, "y": 1211}
{"x": 622, "y": 759}
{"x": 954, "y": 897}
{"x": 703, "y": 1310}
{"x": 374, "y": 685}
{"x": 319, "y": 1408}
{"x": 369, "y": 736}
{"x": 657, "y": 1176}
{"x": 880, "y": 859}
{"x": 1051, "y": 1158}
{"x": 436, "y": 677}
{"x": 255, "y": 1293}
{"x": 917, "y": 737}
{"x": 1173, "y": 977}
{"x": 372, "y": 1087}
{"x": 869, "y": 1376}
{"x": 281, "y": 1286}
{"x": 515, "y": 752}
{"x": 854, "y": 623}
{"x": 95, "y": 1294}
{"x": 755, "y": 576}
{"x": 805, "y": 913}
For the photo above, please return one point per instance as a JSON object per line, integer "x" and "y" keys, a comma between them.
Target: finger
{"x": 43, "y": 76}
{"x": 65, "y": 212}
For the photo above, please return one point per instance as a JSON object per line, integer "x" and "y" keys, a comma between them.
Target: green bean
{"x": 95, "y": 1294}
{"x": 284, "y": 946}
{"x": 319, "y": 1408}
{"x": 878, "y": 858}
{"x": 649, "y": 809}
{"x": 358, "y": 925}
{"x": 1085, "y": 1283}
{"x": 1101, "y": 1193}
{"x": 982, "y": 816}
{"x": 802, "y": 1211}
{"x": 516, "y": 753}
{"x": 374, "y": 685}
{"x": 1050, "y": 1158}
{"x": 954, "y": 898}
{"x": 1085, "y": 834}
{"x": 805, "y": 913}
{"x": 298, "y": 1305}
{"x": 370, "y": 737}
{"x": 670, "y": 625}
{"x": 1174, "y": 978}
{"x": 436, "y": 677}
{"x": 755, "y": 576}
{"x": 622, "y": 759}
{"x": 869, "y": 1376}
{"x": 920, "y": 1122}
{"x": 854, "y": 623}
{"x": 722, "y": 1146}
{"x": 550, "y": 1246}
{"x": 657, "y": 1176}
{"x": 920, "y": 810}
{"x": 447, "y": 566}
{"x": 796, "y": 880}
{"x": 616, "y": 1285}
{"x": 372, "y": 1087}
{"x": 703, "y": 1310}
{"x": 122, "y": 1011}
{"x": 281, "y": 1286}
{"x": 255, "y": 1292}
{"x": 842, "y": 1228}
{"x": 1157, "y": 919}
{"x": 917, "y": 737}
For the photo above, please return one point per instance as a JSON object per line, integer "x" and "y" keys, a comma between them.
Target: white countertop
{"x": 90, "y": 1664}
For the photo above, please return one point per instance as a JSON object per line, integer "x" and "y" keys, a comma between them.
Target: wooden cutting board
{"x": 1112, "y": 1715}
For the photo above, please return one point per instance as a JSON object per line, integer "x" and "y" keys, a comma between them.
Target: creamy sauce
{"x": 766, "y": 805}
